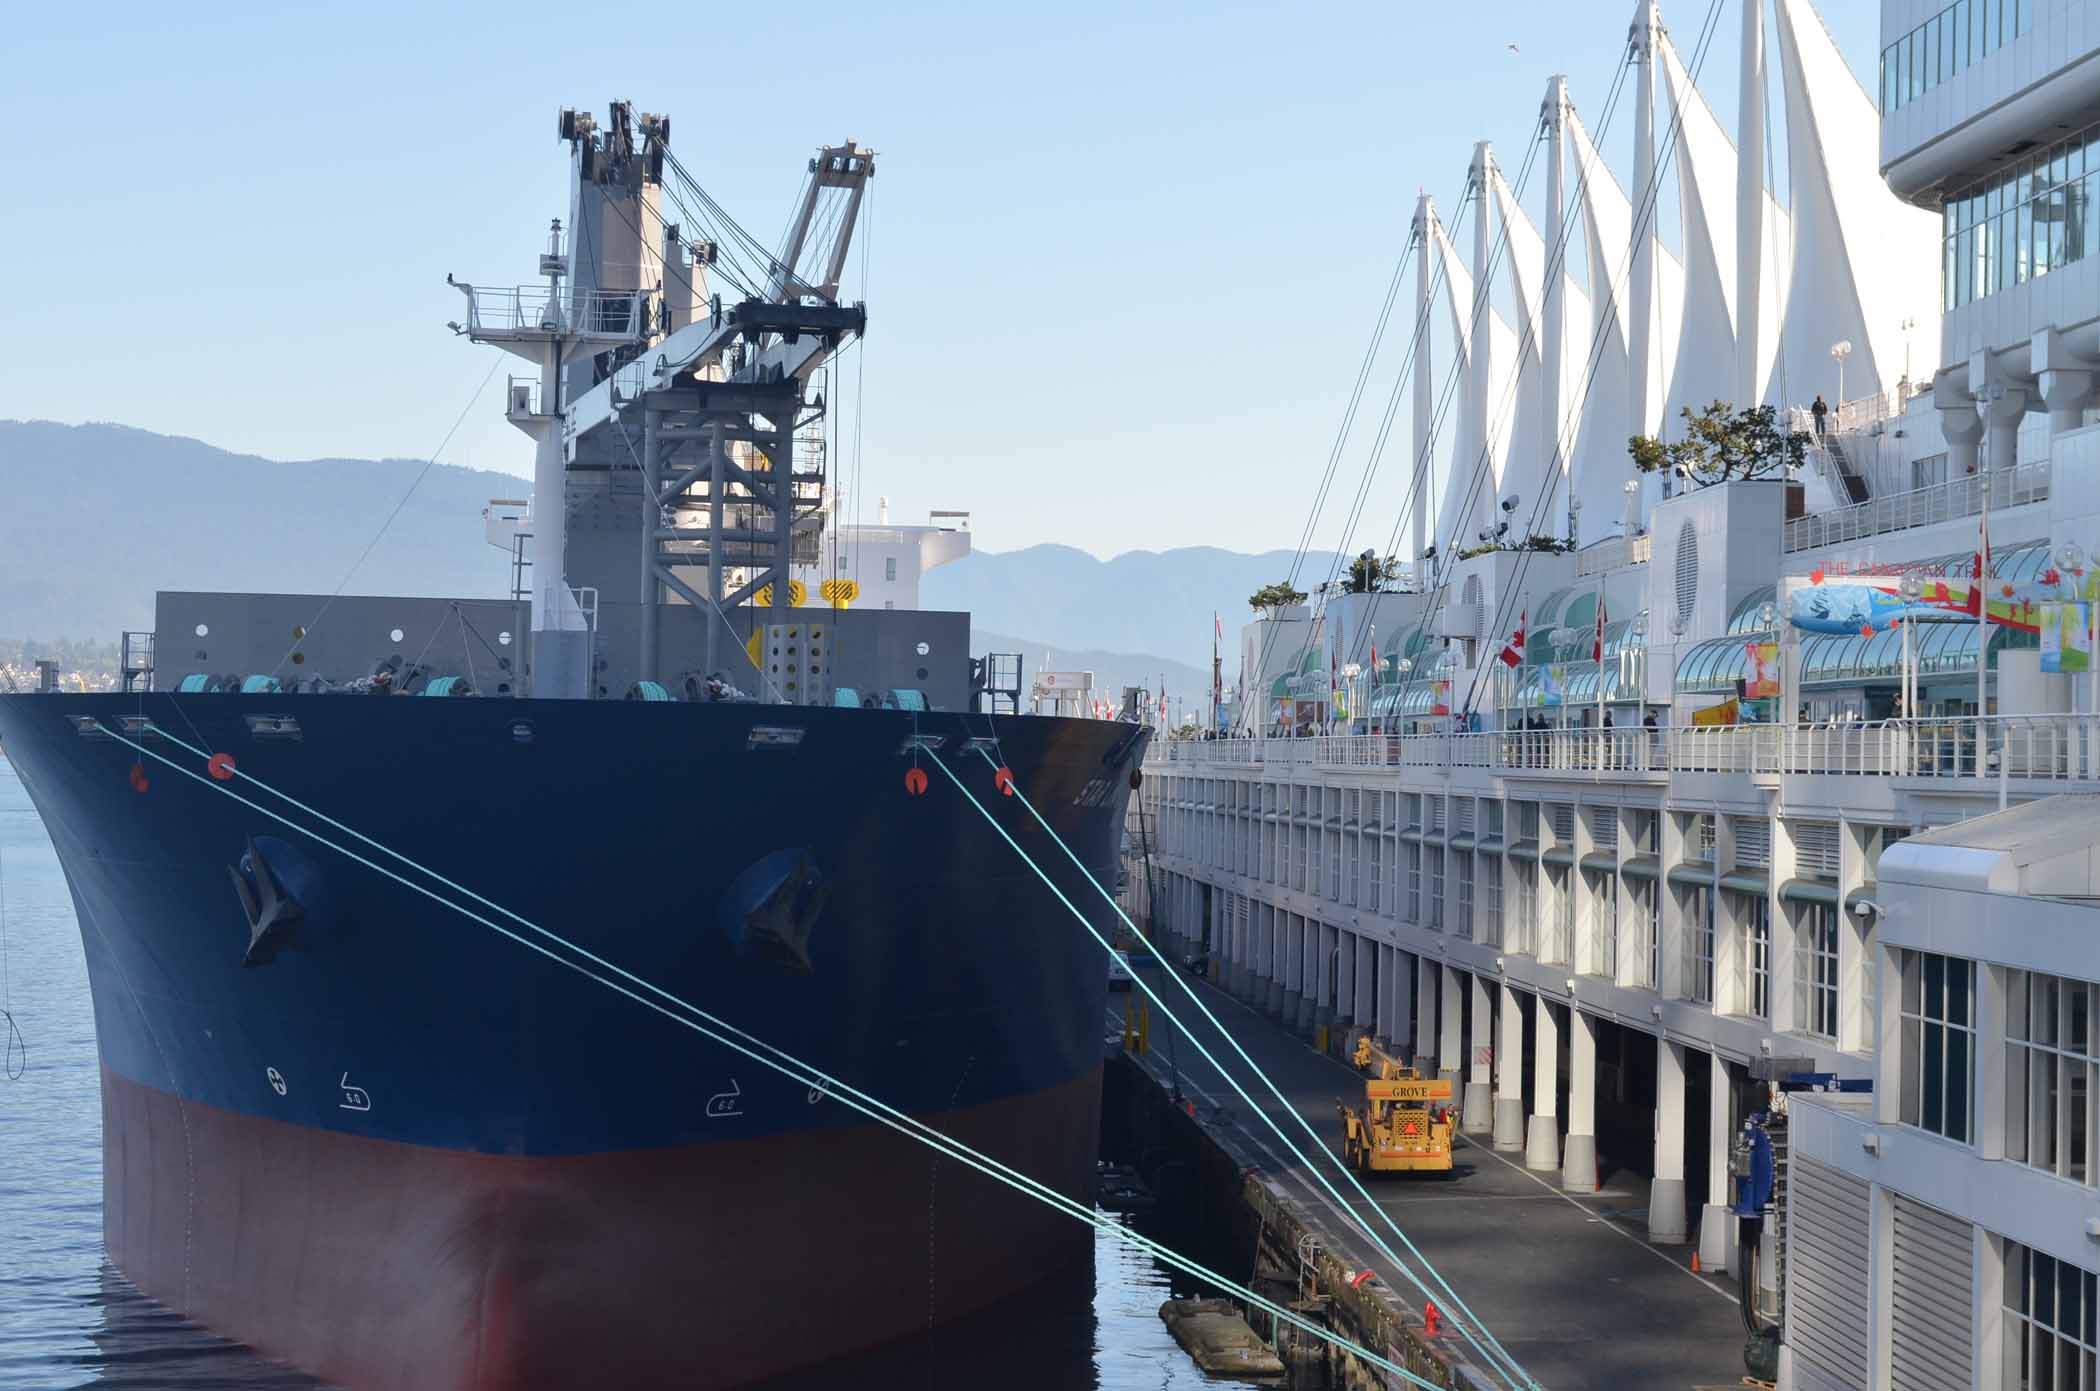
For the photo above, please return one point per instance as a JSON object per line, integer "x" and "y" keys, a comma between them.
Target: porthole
{"x": 204, "y": 630}
{"x": 396, "y": 635}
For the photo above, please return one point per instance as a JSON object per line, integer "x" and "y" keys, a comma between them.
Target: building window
{"x": 1816, "y": 972}
{"x": 1640, "y": 941}
{"x": 2049, "y": 1323}
{"x": 1699, "y": 946}
{"x": 2052, "y": 1072}
{"x": 1411, "y": 906}
{"x": 1462, "y": 872}
{"x": 1490, "y": 901}
{"x": 1522, "y": 932}
{"x": 1604, "y": 924}
{"x": 1560, "y": 929}
{"x": 1938, "y": 1083}
{"x": 1433, "y": 913}
{"x": 2027, "y": 219}
{"x": 889, "y": 567}
{"x": 1757, "y": 953}
{"x": 1965, "y": 32}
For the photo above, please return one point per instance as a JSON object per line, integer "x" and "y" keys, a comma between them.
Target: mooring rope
{"x": 709, "y": 1026}
{"x": 1493, "y": 1350}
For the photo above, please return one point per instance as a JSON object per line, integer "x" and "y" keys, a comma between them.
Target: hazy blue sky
{"x": 1124, "y": 259}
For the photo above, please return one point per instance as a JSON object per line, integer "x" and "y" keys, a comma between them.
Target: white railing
{"x": 1614, "y": 554}
{"x": 1940, "y": 502}
{"x": 517, "y": 308}
{"x": 2052, "y": 748}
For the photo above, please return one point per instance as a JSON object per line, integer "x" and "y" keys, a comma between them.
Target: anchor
{"x": 272, "y": 912}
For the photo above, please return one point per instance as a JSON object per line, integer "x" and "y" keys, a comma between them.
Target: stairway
{"x": 1841, "y": 470}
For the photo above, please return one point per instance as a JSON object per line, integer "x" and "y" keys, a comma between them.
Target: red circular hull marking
{"x": 220, "y": 765}
{"x": 915, "y": 782}
{"x": 138, "y": 778}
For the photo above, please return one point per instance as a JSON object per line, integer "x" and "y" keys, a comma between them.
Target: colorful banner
{"x": 1553, "y": 684}
{"x": 2067, "y": 638}
{"x": 1762, "y": 666}
{"x": 1724, "y": 713}
{"x": 1443, "y": 699}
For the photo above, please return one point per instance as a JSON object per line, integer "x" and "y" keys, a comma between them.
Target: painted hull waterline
{"x": 402, "y": 1149}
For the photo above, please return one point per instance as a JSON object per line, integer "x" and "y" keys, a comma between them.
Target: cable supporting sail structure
{"x": 1469, "y": 1324}
{"x": 688, "y": 1015}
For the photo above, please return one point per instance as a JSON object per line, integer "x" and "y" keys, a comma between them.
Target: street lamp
{"x": 1841, "y": 350}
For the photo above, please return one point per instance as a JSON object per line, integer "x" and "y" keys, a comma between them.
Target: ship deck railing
{"x": 2058, "y": 748}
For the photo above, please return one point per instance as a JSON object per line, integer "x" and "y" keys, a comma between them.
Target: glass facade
{"x": 2050, "y": 1336}
{"x": 2023, "y": 222}
{"x": 1699, "y": 946}
{"x": 1966, "y": 32}
{"x": 1939, "y": 1044}
{"x": 2051, "y": 1058}
{"x": 1816, "y": 971}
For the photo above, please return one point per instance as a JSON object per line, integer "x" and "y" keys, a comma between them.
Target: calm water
{"x": 68, "y": 1320}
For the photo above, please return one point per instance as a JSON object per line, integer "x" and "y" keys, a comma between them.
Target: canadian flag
{"x": 1513, "y": 653}
{"x": 1597, "y": 643}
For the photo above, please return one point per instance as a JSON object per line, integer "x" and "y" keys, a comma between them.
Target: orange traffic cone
{"x": 1695, "y": 1262}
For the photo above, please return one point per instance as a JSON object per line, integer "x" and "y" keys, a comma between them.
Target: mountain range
{"x": 94, "y": 518}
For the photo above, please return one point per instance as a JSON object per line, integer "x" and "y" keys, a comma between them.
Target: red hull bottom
{"x": 380, "y": 1265}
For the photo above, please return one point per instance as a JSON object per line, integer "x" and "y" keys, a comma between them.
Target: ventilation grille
{"x": 1687, "y": 571}
{"x": 1604, "y": 826}
{"x": 1563, "y": 822}
{"x": 1462, "y": 815}
{"x": 1753, "y": 841}
{"x": 1436, "y": 812}
{"x": 1816, "y": 847}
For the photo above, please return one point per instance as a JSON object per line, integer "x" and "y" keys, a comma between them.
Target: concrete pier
{"x": 1604, "y": 1310}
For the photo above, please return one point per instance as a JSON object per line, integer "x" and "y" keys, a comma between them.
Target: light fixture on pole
{"x": 1574, "y": 521}
{"x": 1841, "y": 350}
{"x": 1912, "y": 588}
{"x": 2072, "y": 560}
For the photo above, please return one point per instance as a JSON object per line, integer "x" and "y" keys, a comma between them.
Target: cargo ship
{"x": 347, "y": 1123}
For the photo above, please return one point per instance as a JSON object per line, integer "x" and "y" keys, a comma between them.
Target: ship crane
{"x": 643, "y": 371}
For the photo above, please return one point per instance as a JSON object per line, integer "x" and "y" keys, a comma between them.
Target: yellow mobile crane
{"x": 1405, "y": 1123}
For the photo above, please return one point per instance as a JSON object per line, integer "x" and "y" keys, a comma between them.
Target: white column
{"x": 1542, "y": 1134}
{"x": 1750, "y": 206}
{"x": 1477, "y": 1111}
{"x": 1480, "y": 367}
{"x": 1666, "y": 1214}
{"x": 1509, "y": 1075}
{"x": 1578, "y": 1167}
{"x": 1344, "y": 958}
{"x": 1366, "y": 1012}
{"x": 1640, "y": 296}
{"x": 1716, "y": 1223}
{"x": 1553, "y": 356}
{"x": 1450, "y": 1044}
{"x": 1425, "y": 1012}
{"x": 1400, "y": 992}
{"x": 1422, "y": 501}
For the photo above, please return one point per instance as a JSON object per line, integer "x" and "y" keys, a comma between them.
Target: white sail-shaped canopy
{"x": 1863, "y": 260}
{"x": 1608, "y": 215}
{"x": 1602, "y": 464}
{"x": 1533, "y": 475}
{"x": 1705, "y": 366}
{"x": 1472, "y": 477}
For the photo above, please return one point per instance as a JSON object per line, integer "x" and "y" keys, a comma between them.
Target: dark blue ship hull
{"x": 396, "y": 1148}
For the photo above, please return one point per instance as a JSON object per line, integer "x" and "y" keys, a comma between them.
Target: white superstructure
{"x": 1565, "y": 876}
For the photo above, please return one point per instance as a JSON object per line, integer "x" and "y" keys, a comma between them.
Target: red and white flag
{"x": 1981, "y": 563}
{"x": 1597, "y": 643}
{"x": 1513, "y": 651}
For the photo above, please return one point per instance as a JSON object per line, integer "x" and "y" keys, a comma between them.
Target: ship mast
{"x": 642, "y": 372}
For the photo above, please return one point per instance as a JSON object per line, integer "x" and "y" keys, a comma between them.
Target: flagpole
{"x": 1983, "y": 609}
